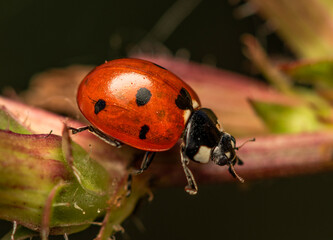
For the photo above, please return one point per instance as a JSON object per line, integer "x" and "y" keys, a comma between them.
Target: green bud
{"x": 50, "y": 185}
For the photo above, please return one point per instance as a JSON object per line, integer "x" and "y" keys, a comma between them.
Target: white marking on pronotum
{"x": 203, "y": 154}
{"x": 187, "y": 114}
{"x": 195, "y": 104}
{"x": 228, "y": 154}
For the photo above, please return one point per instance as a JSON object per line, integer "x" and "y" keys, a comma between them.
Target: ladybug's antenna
{"x": 249, "y": 140}
{"x": 235, "y": 174}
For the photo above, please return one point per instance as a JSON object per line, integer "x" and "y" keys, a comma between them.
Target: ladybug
{"x": 141, "y": 104}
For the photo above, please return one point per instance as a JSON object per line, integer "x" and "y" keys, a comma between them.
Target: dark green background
{"x": 37, "y": 35}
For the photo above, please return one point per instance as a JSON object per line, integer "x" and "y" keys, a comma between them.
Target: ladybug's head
{"x": 225, "y": 154}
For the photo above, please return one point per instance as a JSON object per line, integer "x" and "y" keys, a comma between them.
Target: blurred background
{"x": 38, "y": 35}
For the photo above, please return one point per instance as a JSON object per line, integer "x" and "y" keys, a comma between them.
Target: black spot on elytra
{"x": 159, "y": 66}
{"x": 99, "y": 105}
{"x": 142, "y": 96}
{"x": 184, "y": 100}
{"x": 143, "y": 131}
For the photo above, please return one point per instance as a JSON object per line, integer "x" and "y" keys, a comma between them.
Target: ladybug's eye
{"x": 227, "y": 142}
{"x": 219, "y": 157}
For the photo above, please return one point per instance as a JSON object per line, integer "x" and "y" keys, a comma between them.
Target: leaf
{"x": 318, "y": 104}
{"x": 318, "y": 73}
{"x": 287, "y": 119}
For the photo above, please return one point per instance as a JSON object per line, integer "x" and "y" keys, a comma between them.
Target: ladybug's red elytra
{"x": 141, "y": 104}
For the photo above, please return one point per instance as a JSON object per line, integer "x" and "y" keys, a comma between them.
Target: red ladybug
{"x": 141, "y": 104}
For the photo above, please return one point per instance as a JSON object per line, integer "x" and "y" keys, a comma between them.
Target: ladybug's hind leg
{"x": 99, "y": 134}
{"x": 129, "y": 185}
{"x": 191, "y": 187}
{"x": 147, "y": 159}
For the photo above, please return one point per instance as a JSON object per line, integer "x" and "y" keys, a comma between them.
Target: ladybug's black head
{"x": 225, "y": 153}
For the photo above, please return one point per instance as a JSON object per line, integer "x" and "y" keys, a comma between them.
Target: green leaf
{"x": 317, "y": 103}
{"x": 287, "y": 119}
{"x": 318, "y": 73}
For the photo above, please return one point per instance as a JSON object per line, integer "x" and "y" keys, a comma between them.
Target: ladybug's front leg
{"x": 99, "y": 134}
{"x": 192, "y": 187}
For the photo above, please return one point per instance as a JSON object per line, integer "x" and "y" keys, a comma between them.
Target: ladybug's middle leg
{"x": 129, "y": 185}
{"x": 191, "y": 187}
{"x": 98, "y": 133}
{"x": 147, "y": 159}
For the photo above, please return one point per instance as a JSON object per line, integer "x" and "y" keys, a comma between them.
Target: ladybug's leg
{"x": 147, "y": 159}
{"x": 192, "y": 187}
{"x": 129, "y": 185}
{"x": 99, "y": 134}
{"x": 77, "y": 130}
{"x": 239, "y": 161}
{"x": 231, "y": 172}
